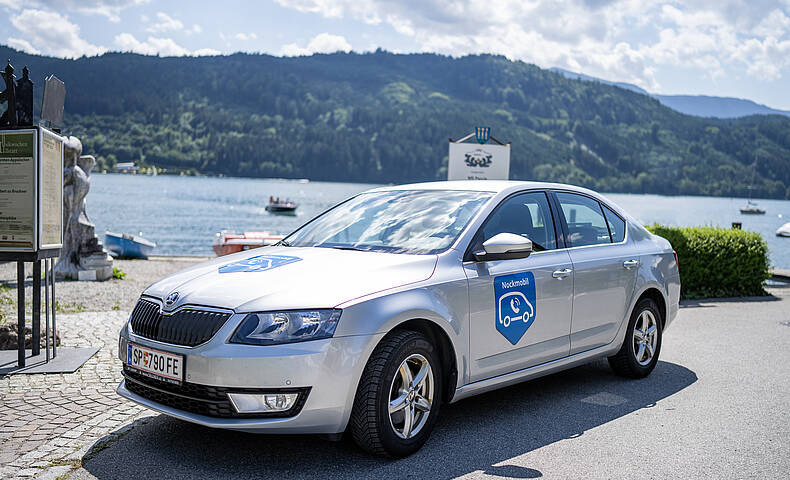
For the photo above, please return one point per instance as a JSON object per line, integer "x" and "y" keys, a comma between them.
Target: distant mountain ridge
{"x": 381, "y": 117}
{"x": 697, "y": 105}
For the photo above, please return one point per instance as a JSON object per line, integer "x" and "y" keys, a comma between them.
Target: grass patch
{"x": 118, "y": 273}
{"x": 69, "y": 307}
{"x": 6, "y": 295}
{"x": 117, "y": 306}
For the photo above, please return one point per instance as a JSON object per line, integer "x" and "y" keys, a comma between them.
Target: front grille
{"x": 187, "y": 326}
{"x": 203, "y": 399}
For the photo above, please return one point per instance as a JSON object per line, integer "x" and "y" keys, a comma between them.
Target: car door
{"x": 604, "y": 271}
{"x": 520, "y": 309}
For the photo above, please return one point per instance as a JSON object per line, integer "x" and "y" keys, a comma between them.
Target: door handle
{"x": 560, "y": 274}
{"x": 630, "y": 263}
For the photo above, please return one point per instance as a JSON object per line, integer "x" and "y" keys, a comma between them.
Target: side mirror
{"x": 504, "y": 246}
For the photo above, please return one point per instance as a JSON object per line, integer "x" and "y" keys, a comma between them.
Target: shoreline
{"x": 77, "y": 297}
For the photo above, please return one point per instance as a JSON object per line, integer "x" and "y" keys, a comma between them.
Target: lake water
{"x": 182, "y": 214}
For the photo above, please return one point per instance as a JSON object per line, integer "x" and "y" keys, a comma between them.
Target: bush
{"x": 717, "y": 262}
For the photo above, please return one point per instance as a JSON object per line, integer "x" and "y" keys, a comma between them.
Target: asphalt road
{"x": 717, "y": 406}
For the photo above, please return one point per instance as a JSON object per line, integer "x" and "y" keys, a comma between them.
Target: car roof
{"x": 494, "y": 186}
{"x": 503, "y": 188}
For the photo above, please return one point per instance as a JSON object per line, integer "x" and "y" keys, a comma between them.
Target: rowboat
{"x": 125, "y": 245}
{"x": 226, "y": 242}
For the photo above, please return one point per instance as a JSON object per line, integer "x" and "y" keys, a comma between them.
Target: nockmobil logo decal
{"x": 515, "y": 304}
{"x": 259, "y": 263}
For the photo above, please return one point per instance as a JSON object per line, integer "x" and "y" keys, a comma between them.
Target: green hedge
{"x": 717, "y": 262}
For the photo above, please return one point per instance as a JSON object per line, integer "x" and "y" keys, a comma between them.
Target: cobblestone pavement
{"x": 53, "y": 419}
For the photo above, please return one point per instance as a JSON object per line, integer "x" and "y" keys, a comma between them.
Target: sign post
{"x": 488, "y": 159}
{"x": 31, "y": 219}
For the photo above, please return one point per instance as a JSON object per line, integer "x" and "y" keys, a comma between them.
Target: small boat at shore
{"x": 751, "y": 208}
{"x": 125, "y": 245}
{"x": 784, "y": 230}
{"x": 279, "y": 206}
{"x": 226, "y": 242}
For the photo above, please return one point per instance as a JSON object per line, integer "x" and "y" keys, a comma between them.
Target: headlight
{"x": 271, "y": 328}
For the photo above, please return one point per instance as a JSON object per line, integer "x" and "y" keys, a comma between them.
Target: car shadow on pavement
{"x": 473, "y": 435}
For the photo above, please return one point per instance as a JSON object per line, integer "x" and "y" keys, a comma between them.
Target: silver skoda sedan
{"x": 376, "y": 313}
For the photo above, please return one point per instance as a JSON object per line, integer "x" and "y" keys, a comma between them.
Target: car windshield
{"x": 396, "y": 221}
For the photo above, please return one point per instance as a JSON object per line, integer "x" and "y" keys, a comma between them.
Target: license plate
{"x": 163, "y": 365}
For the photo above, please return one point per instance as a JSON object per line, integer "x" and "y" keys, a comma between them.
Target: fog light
{"x": 262, "y": 403}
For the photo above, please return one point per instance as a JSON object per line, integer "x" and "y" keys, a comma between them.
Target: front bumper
{"x": 329, "y": 368}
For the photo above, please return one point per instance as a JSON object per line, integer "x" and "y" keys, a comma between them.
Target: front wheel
{"x": 397, "y": 401}
{"x": 639, "y": 354}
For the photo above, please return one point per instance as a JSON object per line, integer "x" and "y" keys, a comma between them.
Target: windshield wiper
{"x": 350, "y": 248}
{"x": 282, "y": 243}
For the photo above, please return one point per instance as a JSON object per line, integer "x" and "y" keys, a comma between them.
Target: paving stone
{"x": 55, "y": 417}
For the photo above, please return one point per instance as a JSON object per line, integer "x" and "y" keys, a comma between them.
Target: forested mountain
{"x": 382, "y": 117}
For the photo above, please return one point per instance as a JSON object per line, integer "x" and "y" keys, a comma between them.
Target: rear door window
{"x": 616, "y": 224}
{"x": 585, "y": 220}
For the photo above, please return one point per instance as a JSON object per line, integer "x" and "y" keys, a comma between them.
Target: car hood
{"x": 273, "y": 278}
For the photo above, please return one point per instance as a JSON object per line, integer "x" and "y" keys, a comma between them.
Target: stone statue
{"x": 83, "y": 257}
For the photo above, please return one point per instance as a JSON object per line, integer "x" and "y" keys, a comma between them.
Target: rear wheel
{"x": 397, "y": 401}
{"x": 642, "y": 344}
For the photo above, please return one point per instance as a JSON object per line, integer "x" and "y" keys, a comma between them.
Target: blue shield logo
{"x": 482, "y": 134}
{"x": 515, "y": 304}
{"x": 258, "y": 264}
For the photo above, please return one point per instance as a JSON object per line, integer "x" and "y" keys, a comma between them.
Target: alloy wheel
{"x": 645, "y": 337}
{"x": 411, "y": 396}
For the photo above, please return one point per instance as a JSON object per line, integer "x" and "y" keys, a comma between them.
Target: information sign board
{"x": 31, "y": 190}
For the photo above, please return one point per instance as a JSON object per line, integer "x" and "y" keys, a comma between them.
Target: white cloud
{"x": 616, "y": 39}
{"x": 11, "y": 4}
{"x": 165, "y": 23}
{"x": 107, "y": 8}
{"x": 52, "y": 34}
{"x": 194, "y": 30}
{"x": 23, "y": 45}
{"x": 321, "y": 43}
{"x": 206, "y": 52}
{"x": 165, "y": 47}
{"x": 151, "y": 46}
{"x": 246, "y": 36}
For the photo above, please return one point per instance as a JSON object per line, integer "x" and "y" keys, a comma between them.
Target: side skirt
{"x": 536, "y": 371}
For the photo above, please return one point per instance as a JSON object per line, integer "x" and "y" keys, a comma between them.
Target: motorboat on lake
{"x": 784, "y": 230}
{"x": 125, "y": 245}
{"x": 281, "y": 206}
{"x": 751, "y": 208}
{"x": 226, "y": 242}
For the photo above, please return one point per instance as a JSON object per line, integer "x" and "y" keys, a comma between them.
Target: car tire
{"x": 372, "y": 425}
{"x": 634, "y": 360}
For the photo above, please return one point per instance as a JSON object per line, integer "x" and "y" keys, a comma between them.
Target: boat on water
{"x": 124, "y": 245}
{"x": 278, "y": 205}
{"x": 226, "y": 242}
{"x": 784, "y": 230}
{"x": 751, "y": 208}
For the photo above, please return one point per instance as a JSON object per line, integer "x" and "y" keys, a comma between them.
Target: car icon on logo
{"x": 514, "y": 306}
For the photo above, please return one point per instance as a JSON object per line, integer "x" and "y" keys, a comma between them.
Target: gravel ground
{"x": 717, "y": 406}
{"x": 74, "y": 297}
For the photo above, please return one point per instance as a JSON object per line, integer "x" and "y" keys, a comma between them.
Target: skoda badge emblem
{"x": 171, "y": 299}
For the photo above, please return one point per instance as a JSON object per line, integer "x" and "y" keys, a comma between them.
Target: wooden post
{"x": 20, "y": 286}
{"x": 47, "y": 274}
{"x": 36, "y": 324}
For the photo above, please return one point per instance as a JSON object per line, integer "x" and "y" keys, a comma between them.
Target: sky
{"x": 735, "y": 48}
